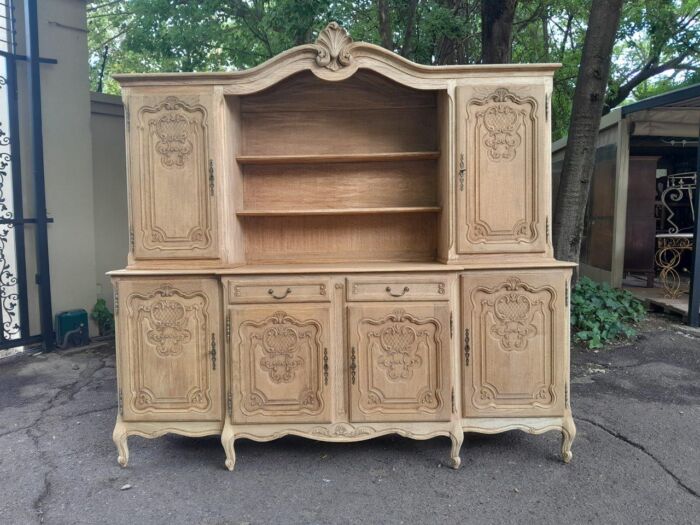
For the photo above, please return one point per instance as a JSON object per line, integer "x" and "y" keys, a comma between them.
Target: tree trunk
{"x": 496, "y": 29}
{"x": 385, "y": 32}
{"x": 586, "y": 111}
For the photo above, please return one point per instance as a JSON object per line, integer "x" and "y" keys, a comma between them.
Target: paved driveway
{"x": 636, "y": 456}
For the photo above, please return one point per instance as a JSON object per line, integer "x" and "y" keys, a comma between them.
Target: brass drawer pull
{"x": 353, "y": 365}
{"x": 286, "y": 293}
{"x": 403, "y": 292}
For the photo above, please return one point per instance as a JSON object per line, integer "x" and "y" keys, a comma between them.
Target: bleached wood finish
{"x": 340, "y": 244}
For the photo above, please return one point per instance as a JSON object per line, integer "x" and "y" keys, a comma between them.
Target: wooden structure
{"x": 341, "y": 244}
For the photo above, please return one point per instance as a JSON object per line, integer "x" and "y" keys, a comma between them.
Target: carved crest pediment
{"x": 333, "y": 45}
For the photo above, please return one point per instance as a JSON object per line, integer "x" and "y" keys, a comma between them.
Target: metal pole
{"x": 694, "y": 299}
{"x": 17, "y": 204}
{"x": 37, "y": 143}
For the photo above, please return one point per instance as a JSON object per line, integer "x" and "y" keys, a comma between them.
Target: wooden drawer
{"x": 278, "y": 290}
{"x": 398, "y": 288}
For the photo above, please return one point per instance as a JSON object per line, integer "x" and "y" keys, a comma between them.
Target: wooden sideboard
{"x": 341, "y": 244}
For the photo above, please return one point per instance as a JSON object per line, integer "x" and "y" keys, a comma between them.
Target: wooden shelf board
{"x": 339, "y": 211}
{"x": 329, "y": 159}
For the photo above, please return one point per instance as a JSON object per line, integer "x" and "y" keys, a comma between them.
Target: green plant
{"x": 103, "y": 317}
{"x": 600, "y": 313}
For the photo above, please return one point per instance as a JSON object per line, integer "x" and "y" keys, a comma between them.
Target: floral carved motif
{"x": 342, "y": 430}
{"x": 514, "y": 312}
{"x": 173, "y": 131}
{"x": 400, "y": 345}
{"x": 502, "y": 123}
{"x": 169, "y": 333}
{"x": 333, "y": 45}
{"x": 281, "y": 338}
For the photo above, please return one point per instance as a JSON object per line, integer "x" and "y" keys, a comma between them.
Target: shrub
{"x": 600, "y": 314}
{"x": 103, "y": 317}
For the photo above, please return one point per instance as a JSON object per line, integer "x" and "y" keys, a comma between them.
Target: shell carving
{"x": 333, "y": 45}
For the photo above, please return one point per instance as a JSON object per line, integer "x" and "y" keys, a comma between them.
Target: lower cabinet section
{"x": 516, "y": 343}
{"x": 280, "y": 364}
{"x": 321, "y": 357}
{"x": 399, "y": 362}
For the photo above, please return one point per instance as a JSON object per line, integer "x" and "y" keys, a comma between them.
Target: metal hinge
{"x": 454, "y": 409}
{"x": 212, "y": 352}
{"x": 462, "y": 171}
{"x": 211, "y": 177}
{"x": 546, "y": 107}
{"x": 127, "y": 116}
{"x": 452, "y": 325}
{"x": 229, "y": 404}
{"x": 353, "y": 365}
{"x": 467, "y": 348}
{"x": 566, "y": 294}
{"x": 549, "y": 240}
{"x": 566, "y": 395}
{"x": 120, "y": 402}
{"x": 228, "y": 327}
{"x": 131, "y": 238}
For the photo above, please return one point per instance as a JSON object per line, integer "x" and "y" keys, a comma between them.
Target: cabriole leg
{"x": 227, "y": 439}
{"x": 119, "y": 436}
{"x": 457, "y": 437}
{"x": 568, "y": 433}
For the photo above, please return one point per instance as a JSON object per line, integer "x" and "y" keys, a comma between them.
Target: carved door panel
{"x": 398, "y": 362}
{"x": 503, "y": 171}
{"x": 169, "y": 349}
{"x": 515, "y": 343}
{"x": 280, "y": 363}
{"x": 172, "y": 184}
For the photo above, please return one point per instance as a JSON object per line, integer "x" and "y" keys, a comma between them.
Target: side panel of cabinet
{"x": 280, "y": 363}
{"x": 171, "y": 178}
{"x": 169, "y": 351}
{"x": 399, "y": 362}
{"x": 502, "y": 182}
{"x": 515, "y": 343}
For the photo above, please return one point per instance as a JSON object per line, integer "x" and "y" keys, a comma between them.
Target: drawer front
{"x": 398, "y": 288}
{"x": 278, "y": 291}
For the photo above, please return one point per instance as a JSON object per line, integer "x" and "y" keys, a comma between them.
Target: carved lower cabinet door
{"x": 169, "y": 350}
{"x": 172, "y": 178}
{"x": 515, "y": 343}
{"x": 398, "y": 362}
{"x": 281, "y": 363}
{"x": 502, "y": 171}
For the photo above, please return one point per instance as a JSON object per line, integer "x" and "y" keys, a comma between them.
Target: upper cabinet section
{"x": 502, "y": 182}
{"x": 171, "y": 179}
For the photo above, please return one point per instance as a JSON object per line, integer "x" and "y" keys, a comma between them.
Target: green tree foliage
{"x": 657, "y": 47}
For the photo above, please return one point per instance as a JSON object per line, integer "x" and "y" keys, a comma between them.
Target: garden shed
{"x": 642, "y": 210}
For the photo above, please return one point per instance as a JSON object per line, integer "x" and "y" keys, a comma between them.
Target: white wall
{"x": 109, "y": 189}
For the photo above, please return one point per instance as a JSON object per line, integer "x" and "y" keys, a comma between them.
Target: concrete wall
{"x": 109, "y": 189}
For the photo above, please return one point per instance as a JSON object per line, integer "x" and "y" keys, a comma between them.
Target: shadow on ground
{"x": 636, "y": 457}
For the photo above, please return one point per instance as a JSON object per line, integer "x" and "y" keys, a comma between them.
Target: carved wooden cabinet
{"x": 339, "y": 244}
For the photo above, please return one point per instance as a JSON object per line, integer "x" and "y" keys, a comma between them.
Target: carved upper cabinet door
{"x": 515, "y": 343}
{"x": 280, "y": 363}
{"x": 169, "y": 349}
{"x": 398, "y": 363}
{"x": 503, "y": 173}
{"x": 172, "y": 183}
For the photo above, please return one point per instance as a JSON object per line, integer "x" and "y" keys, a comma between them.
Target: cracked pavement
{"x": 636, "y": 455}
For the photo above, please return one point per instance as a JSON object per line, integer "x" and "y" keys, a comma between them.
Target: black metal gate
{"x": 14, "y": 305}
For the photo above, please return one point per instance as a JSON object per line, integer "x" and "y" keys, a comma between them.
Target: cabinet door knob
{"x": 285, "y": 294}
{"x": 400, "y": 294}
